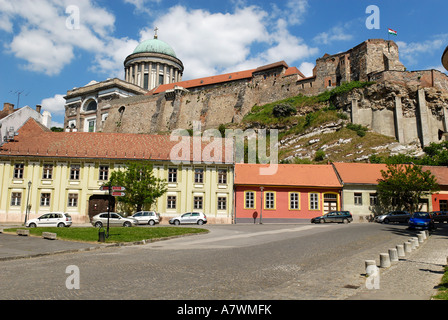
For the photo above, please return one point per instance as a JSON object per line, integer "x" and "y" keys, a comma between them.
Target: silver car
{"x": 147, "y": 217}
{"x": 190, "y": 218}
{"x": 115, "y": 220}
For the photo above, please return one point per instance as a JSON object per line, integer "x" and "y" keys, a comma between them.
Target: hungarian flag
{"x": 393, "y": 32}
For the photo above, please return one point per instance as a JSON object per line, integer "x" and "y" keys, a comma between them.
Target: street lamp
{"x": 27, "y": 201}
{"x": 261, "y": 209}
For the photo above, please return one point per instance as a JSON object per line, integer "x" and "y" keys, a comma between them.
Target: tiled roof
{"x": 248, "y": 74}
{"x": 441, "y": 173}
{"x": 287, "y": 175}
{"x": 359, "y": 173}
{"x": 33, "y": 140}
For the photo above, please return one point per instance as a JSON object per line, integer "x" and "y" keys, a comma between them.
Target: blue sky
{"x": 50, "y": 46}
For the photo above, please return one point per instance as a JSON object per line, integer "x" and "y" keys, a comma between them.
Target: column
{"x": 142, "y": 74}
{"x": 135, "y": 74}
{"x": 425, "y": 137}
{"x": 399, "y": 120}
{"x": 355, "y": 116}
{"x": 157, "y": 74}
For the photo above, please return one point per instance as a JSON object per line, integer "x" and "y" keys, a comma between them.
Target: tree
{"x": 402, "y": 187}
{"x": 142, "y": 187}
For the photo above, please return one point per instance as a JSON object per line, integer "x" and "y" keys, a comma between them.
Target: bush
{"x": 283, "y": 110}
{"x": 319, "y": 156}
{"x": 359, "y": 129}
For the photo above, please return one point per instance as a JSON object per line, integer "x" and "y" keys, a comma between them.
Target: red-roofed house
{"x": 67, "y": 169}
{"x": 439, "y": 200}
{"x": 293, "y": 192}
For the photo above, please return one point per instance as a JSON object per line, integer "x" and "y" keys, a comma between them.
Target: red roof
{"x": 287, "y": 175}
{"x": 359, "y": 173}
{"x": 33, "y": 140}
{"x": 441, "y": 173}
{"x": 240, "y": 75}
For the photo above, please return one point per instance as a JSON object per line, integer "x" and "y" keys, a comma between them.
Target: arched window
{"x": 91, "y": 106}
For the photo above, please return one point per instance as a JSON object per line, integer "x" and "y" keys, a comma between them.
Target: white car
{"x": 52, "y": 219}
{"x": 190, "y": 218}
{"x": 147, "y": 217}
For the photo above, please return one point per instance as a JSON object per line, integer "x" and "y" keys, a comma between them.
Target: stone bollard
{"x": 420, "y": 238}
{"x": 21, "y": 232}
{"x": 400, "y": 251}
{"x": 407, "y": 247}
{"x": 416, "y": 244}
{"x": 369, "y": 269}
{"x": 384, "y": 260}
{"x": 423, "y": 233}
{"x": 393, "y": 254}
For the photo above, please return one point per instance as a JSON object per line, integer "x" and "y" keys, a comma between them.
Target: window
{"x": 45, "y": 199}
{"x": 222, "y": 203}
{"x": 47, "y": 171}
{"x": 443, "y": 205}
{"x": 222, "y": 176}
{"x": 74, "y": 172}
{"x": 91, "y": 106}
{"x": 269, "y": 202}
{"x": 249, "y": 200}
{"x": 373, "y": 199}
{"x": 146, "y": 81}
{"x": 91, "y": 124}
{"x": 104, "y": 173}
{"x": 199, "y": 175}
{"x": 16, "y": 199}
{"x": 198, "y": 202}
{"x": 172, "y": 175}
{"x": 72, "y": 200}
{"x": 171, "y": 203}
{"x": 314, "y": 201}
{"x": 18, "y": 170}
{"x": 294, "y": 201}
{"x": 358, "y": 199}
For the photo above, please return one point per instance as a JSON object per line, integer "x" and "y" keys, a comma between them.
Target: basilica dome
{"x": 155, "y": 46}
{"x": 152, "y": 64}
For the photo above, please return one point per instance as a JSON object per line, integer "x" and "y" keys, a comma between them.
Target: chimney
{"x": 38, "y": 108}
{"x": 8, "y": 107}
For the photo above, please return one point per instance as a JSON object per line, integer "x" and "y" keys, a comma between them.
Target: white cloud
{"x": 55, "y": 105}
{"x": 307, "y": 68}
{"x": 336, "y": 33}
{"x": 45, "y": 42}
{"x": 413, "y": 51}
{"x": 211, "y": 43}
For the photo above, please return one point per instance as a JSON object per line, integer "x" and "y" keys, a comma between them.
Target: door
{"x": 100, "y": 203}
{"x": 330, "y": 202}
{"x": 44, "y": 220}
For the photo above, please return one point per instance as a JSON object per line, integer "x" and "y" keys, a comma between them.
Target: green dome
{"x": 155, "y": 46}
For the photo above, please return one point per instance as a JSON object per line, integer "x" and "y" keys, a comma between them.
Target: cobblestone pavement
{"x": 292, "y": 262}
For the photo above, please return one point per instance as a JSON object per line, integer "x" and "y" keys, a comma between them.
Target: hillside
{"x": 315, "y": 129}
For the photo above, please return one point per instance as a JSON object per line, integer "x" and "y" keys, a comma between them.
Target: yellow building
{"x": 63, "y": 171}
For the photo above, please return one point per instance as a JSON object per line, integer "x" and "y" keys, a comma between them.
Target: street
{"x": 232, "y": 262}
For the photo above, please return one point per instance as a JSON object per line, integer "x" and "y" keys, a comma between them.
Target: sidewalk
{"x": 13, "y": 246}
{"x": 414, "y": 277}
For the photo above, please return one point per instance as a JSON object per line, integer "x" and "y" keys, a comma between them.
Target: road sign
{"x": 106, "y": 188}
{"x": 118, "y": 194}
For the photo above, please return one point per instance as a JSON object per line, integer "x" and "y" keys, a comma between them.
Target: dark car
{"x": 422, "y": 220}
{"x": 394, "y": 216}
{"x": 334, "y": 216}
{"x": 440, "y": 216}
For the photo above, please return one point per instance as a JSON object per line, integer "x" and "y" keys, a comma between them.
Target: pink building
{"x": 294, "y": 192}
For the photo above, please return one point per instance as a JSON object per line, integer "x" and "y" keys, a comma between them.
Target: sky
{"x": 50, "y": 46}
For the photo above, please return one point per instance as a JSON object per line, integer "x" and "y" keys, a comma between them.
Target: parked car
{"x": 394, "y": 216}
{"x": 334, "y": 216}
{"x": 421, "y": 220}
{"x": 189, "y": 218}
{"x": 52, "y": 219}
{"x": 440, "y": 216}
{"x": 115, "y": 220}
{"x": 147, "y": 217}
